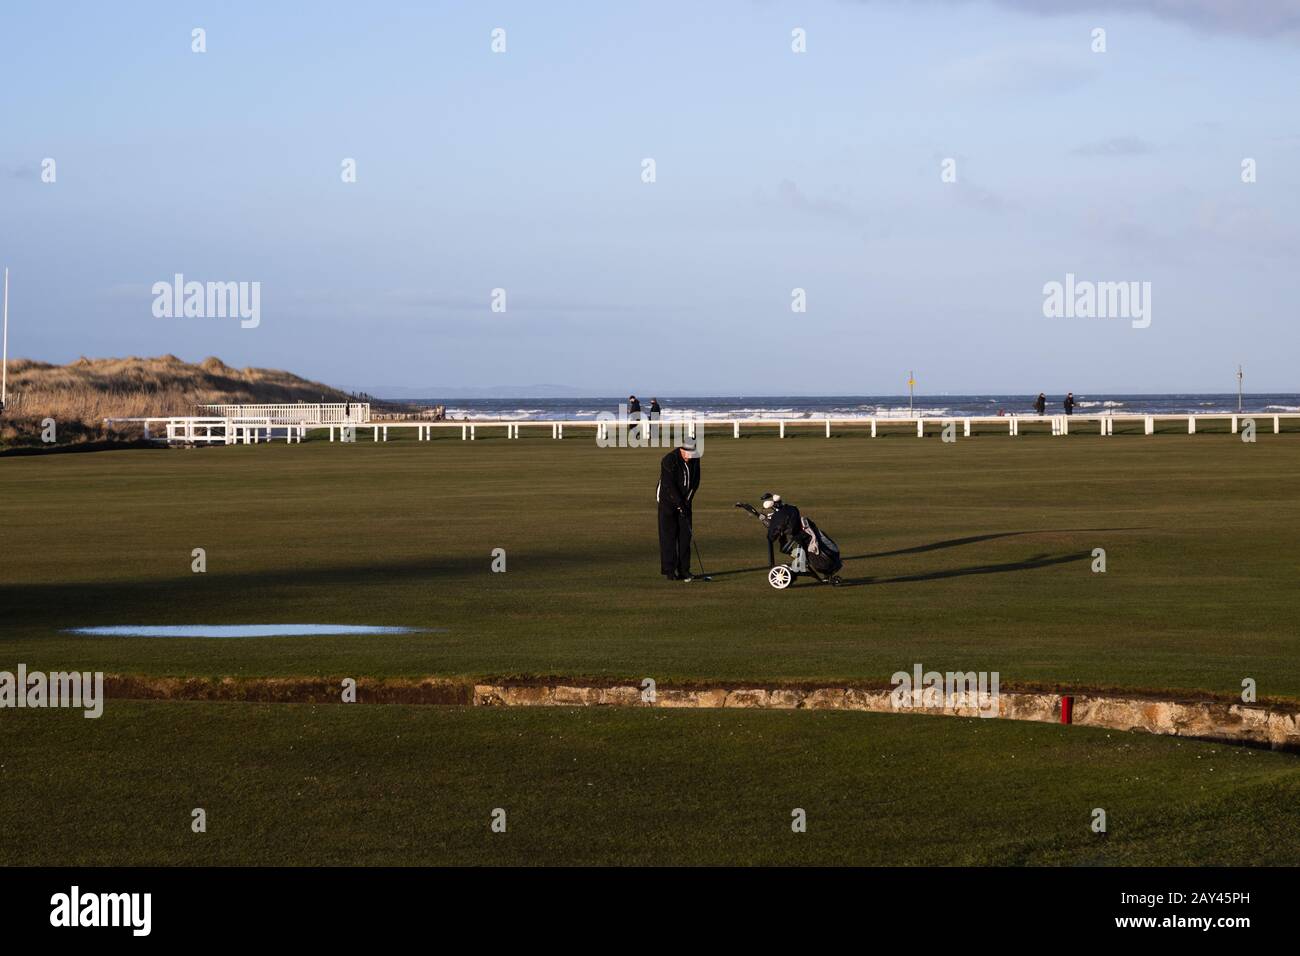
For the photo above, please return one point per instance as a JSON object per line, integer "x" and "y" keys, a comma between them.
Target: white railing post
{"x": 965, "y": 427}
{"x": 472, "y": 435}
{"x": 873, "y": 428}
{"x": 1191, "y": 424}
{"x": 783, "y": 428}
{"x": 464, "y": 433}
{"x": 828, "y": 428}
{"x": 920, "y": 428}
{"x": 1234, "y": 424}
{"x": 735, "y": 429}
{"x": 1277, "y": 424}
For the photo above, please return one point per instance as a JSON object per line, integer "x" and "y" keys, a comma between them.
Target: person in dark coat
{"x": 679, "y": 479}
{"x": 633, "y": 416}
{"x": 655, "y": 414}
{"x": 1069, "y": 403}
{"x": 1040, "y": 404}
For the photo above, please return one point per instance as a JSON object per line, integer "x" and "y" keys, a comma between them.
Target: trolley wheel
{"x": 780, "y": 577}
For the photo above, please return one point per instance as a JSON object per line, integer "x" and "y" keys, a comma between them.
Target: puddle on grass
{"x": 242, "y": 630}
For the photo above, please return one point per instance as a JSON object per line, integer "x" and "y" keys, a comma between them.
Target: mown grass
{"x": 369, "y": 784}
{"x": 968, "y": 556}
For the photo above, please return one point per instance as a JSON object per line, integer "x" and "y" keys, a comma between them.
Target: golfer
{"x": 679, "y": 479}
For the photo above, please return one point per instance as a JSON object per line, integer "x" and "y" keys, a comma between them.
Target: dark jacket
{"x": 1069, "y": 405}
{"x": 678, "y": 481}
{"x": 633, "y": 407}
{"x": 1040, "y": 404}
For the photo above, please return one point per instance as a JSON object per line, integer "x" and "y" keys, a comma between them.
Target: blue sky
{"x": 775, "y": 170}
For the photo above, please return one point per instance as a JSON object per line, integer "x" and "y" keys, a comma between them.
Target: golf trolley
{"x": 781, "y": 576}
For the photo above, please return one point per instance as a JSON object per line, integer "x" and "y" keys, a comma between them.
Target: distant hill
{"x": 80, "y": 395}
{"x": 408, "y": 393}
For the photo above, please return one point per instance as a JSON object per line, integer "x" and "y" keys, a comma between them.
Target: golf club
{"x": 691, "y": 529}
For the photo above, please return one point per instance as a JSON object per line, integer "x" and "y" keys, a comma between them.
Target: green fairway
{"x": 974, "y": 555}
{"x": 336, "y": 784}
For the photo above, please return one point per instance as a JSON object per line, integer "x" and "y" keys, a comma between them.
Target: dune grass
{"x": 81, "y": 394}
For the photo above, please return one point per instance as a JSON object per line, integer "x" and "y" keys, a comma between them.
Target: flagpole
{"x": 4, "y": 359}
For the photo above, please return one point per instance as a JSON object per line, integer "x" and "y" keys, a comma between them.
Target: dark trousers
{"x": 674, "y": 542}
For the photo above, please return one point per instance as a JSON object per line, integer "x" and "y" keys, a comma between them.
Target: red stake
{"x": 1067, "y": 710}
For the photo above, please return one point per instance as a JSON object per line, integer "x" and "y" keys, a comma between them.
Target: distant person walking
{"x": 1040, "y": 404}
{"x": 655, "y": 414}
{"x": 633, "y": 416}
{"x": 679, "y": 479}
{"x": 1069, "y": 403}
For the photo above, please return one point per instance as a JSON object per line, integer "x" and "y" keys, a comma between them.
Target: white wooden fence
{"x": 231, "y": 430}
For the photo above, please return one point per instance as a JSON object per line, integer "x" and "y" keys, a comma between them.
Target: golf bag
{"x": 822, "y": 552}
{"x": 812, "y": 551}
